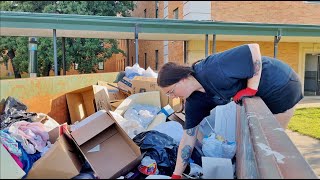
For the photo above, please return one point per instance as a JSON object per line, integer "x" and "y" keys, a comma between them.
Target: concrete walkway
{"x": 308, "y": 147}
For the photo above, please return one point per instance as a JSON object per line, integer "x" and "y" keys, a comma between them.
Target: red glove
{"x": 247, "y": 92}
{"x": 174, "y": 176}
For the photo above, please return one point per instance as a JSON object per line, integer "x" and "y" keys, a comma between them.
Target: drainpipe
{"x": 276, "y": 41}
{"x": 55, "y": 52}
{"x": 128, "y": 53}
{"x": 33, "y": 46}
{"x": 213, "y": 44}
{"x": 64, "y": 55}
{"x": 136, "y": 42}
{"x": 206, "y": 46}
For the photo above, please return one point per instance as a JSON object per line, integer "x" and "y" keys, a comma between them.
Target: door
{"x": 311, "y": 77}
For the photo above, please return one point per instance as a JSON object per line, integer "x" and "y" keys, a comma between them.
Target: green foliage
{"x": 86, "y": 52}
{"x": 306, "y": 121}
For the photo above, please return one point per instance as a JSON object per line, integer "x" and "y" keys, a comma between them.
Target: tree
{"x": 86, "y": 52}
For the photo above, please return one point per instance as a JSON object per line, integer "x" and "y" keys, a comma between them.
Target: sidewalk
{"x": 309, "y": 148}
{"x": 309, "y": 101}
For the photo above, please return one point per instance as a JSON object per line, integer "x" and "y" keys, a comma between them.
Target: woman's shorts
{"x": 286, "y": 97}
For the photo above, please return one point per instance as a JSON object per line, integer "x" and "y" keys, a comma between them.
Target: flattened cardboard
{"x": 145, "y": 84}
{"x": 117, "y": 154}
{"x": 9, "y": 168}
{"x": 126, "y": 85}
{"x": 90, "y": 130}
{"x": 61, "y": 160}
{"x": 86, "y": 101}
{"x": 116, "y": 104}
{"x": 114, "y": 93}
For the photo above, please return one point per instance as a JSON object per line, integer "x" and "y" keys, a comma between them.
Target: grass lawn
{"x": 306, "y": 121}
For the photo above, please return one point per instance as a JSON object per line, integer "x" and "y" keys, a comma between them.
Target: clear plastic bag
{"x": 135, "y": 70}
{"x": 213, "y": 147}
{"x": 132, "y": 128}
{"x": 144, "y": 114}
{"x": 150, "y": 73}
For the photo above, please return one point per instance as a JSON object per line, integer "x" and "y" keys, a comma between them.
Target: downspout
{"x": 276, "y": 41}
{"x": 206, "y": 46}
{"x": 136, "y": 42}
{"x": 55, "y": 52}
{"x": 213, "y": 43}
{"x": 64, "y": 55}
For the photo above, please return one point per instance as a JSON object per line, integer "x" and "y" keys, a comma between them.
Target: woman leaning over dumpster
{"x": 222, "y": 77}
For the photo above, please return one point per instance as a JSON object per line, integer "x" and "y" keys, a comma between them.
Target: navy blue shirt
{"x": 223, "y": 74}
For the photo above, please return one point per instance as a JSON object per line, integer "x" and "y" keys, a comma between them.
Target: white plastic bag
{"x": 144, "y": 114}
{"x": 212, "y": 147}
{"x": 172, "y": 129}
{"x": 150, "y": 73}
{"x": 133, "y": 71}
{"x": 132, "y": 128}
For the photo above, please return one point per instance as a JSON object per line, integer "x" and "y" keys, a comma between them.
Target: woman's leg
{"x": 284, "y": 118}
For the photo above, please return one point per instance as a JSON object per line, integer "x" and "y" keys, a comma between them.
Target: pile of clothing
{"x": 24, "y": 139}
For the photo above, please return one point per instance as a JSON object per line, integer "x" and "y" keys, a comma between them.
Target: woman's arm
{"x": 253, "y": 82}
{"x": 185, "y": 150}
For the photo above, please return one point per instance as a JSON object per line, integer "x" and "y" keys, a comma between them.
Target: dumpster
{"x": 263, "y": 148}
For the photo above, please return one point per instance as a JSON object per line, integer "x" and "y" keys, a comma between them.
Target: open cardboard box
{"x": 61, "y": 161}
{"x": 86, "y": 101}
{"x": 114, "y": 93}
{"x": 106, "y": 147}
{"x": 145, "y": 84}
{"x": 148, "y": 98}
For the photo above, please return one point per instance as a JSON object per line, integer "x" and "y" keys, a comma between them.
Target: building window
{"x": 75, "y": 66}
{"x": 145, "y": 13}
{"x": 185, "y": 49}
{"x": 101, "y": 65}
{"x": 157, "y": 59}
{"x": 157, "y": 8}
{"x": 145, "y": 60}
{"x": 176, "y": 14}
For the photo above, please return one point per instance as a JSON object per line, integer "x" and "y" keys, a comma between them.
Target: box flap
{"x": 114, "y": 154}
{"x": 101, "y": 97}
{"x": 92, "y": 125}
{"x": 59, "y": 162}
{"x": 9, "y": 168}
{"x": 80, "y": 103}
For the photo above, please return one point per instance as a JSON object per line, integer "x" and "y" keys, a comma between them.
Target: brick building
{"x": 299, "y": 52}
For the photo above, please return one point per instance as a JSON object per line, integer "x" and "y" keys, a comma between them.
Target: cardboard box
{"x": 149, "y": 98}
{"x": 114, "y": 92}
{"x": 145, "y": 84}
{"x": 126, "y": 85}
{"x": 9, "y": 168}
{"x": 107, "y": 148}
{"x": 86, "y": 101}
{"x": 116, "y": 104}
{"x": 61, "y": 161}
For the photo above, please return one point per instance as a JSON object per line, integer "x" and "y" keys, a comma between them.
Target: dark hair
{"x": 171, "y": 73}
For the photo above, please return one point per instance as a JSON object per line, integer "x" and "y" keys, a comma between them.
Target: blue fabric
{"x": 28, "y": 159}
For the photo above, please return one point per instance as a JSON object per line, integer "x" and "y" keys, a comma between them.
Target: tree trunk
{"x": 15, "y": 71}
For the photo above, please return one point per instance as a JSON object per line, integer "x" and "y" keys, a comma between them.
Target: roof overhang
{"x": 86, "y": 26}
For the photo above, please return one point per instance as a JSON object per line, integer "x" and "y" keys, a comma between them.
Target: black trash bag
{"x": 161, "y": 148}
{"x": 14, "y": 111}
{"x": 12, "y": 105}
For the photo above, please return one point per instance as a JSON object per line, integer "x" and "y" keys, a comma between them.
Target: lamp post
{"x": 33, "y": 66}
